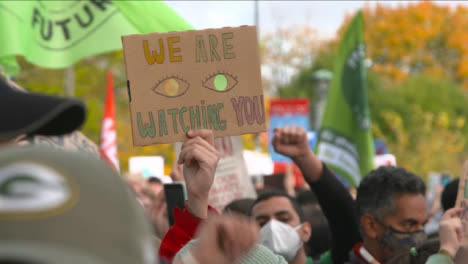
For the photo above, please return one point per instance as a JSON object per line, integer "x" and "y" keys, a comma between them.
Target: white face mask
{"x": 281, "y": 238}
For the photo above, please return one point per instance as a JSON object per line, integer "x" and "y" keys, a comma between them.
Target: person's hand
{"x": 177, "y": 173}
{"x": 224, "y": 239}
{"x": 158, "y": 215}
{"x": 291, "y": 141}
{"x": 450, "y": 231}
{"x": 200, "y": 159}
{"x": 289, "y": 181}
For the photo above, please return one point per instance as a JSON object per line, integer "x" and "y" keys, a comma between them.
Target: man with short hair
{"x": 397, "y": 227}
{"x": 392, "y": 210}
{"x": 391, "y": 204}
{"x": 333, "y": 197}
{"x": 335, "y": 200}
{"x": 283, "y": 227}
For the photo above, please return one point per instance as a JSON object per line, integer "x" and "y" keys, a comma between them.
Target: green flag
{"x": 345, "y": 141}
{"x": 56, "y": 34}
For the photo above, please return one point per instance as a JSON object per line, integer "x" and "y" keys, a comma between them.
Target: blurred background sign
{"x": 148, "y": 166}
{"x": 287, "y": 111}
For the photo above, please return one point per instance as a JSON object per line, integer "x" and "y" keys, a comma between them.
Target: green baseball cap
{"x": 68, "y": 207}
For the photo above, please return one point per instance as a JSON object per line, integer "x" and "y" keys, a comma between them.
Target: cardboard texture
{"x": 193, "y": 80}
{"x": 462, "y": 201}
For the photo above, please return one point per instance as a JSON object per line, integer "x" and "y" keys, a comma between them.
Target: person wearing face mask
{"x": 334, "y": 198}
{"x": 391, "y": 207}
{"x": 392, "y": 212}
{"x": 283, "y": 229}
{"x": 390, "y": 201}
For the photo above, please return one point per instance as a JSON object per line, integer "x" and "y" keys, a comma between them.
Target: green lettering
{"x": 227, "y": 47}
{"x": 162, "y": 123}
{"x": 195, "y": 117}
{"x": 221, "y": 123}
{"x": 181, "y": 119}
{"x": 213, "y": 44}
{"x": 200, "y": 49}
{"x": 203, "y": 111}
{"x": 212, "y": 120}
{"x": 146, "y": 129}
{"x": 173, "y": 112}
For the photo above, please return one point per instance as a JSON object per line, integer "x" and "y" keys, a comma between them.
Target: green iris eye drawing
{"x": 220, "y": 82}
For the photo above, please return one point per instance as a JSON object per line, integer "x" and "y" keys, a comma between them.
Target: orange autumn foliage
{"x": 418, "y": 37}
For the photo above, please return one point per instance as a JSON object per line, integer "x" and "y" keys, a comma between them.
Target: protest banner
{"x": 179, "y": 81}
{"x": 287, "y": 111}
{"x": 345, "y": 141}
{"x": 57, "y": 34}
{"x": 148, "y": 166}
{"x": 462, "y": 201}
{"x": 231, "y": 179}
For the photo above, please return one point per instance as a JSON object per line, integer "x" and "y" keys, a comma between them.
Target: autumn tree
{"x": 417, "y": 38}
{"x": 416, "y": 79}
{"x": 284, "y": 53}
{"x": 423, "y": 120}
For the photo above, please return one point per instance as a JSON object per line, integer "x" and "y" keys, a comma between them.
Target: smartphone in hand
{"x": 175, "y": 197}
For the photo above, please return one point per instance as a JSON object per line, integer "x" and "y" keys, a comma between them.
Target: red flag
{"x": 108, "y": 146}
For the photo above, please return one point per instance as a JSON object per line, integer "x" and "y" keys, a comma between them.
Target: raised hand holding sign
{"x": 200, "y": 159}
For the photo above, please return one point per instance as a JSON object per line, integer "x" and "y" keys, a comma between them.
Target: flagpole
{"x": 69, "y": 83}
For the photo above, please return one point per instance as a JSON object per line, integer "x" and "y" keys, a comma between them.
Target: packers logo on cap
{"x": 30, "y": 190}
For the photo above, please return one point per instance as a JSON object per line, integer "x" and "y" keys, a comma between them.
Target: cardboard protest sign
{"x": 462, "y": 201}
{"x": 231, "y": 180}
{"x": 192, "y": 80}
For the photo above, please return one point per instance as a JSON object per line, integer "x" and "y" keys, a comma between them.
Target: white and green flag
{"x": 345, "y": 141}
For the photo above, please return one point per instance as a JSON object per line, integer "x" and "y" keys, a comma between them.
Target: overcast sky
{"x": 324, "y": 16}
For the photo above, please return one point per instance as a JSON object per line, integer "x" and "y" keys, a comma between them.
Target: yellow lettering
{"x": 152, "y": 56}
{"x": 172, "y": 50}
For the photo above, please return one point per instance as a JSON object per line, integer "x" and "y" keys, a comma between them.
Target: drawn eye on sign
{"x": 172, "y": 86}
{"x": 220, "y": 82}
{"x": 196, "y": 79}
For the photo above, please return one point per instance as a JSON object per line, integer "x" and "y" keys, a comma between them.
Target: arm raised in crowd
{"x": 335, "y": 200}
{"x": 292, "y": 141}
{"x": 200, "y": 159}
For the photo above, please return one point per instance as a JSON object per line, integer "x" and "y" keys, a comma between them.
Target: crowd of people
{"x": 59, "y": 206}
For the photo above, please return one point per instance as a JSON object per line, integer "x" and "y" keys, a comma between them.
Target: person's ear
{"x": 305, "y": 232}
{"x": 370, "y": 226}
